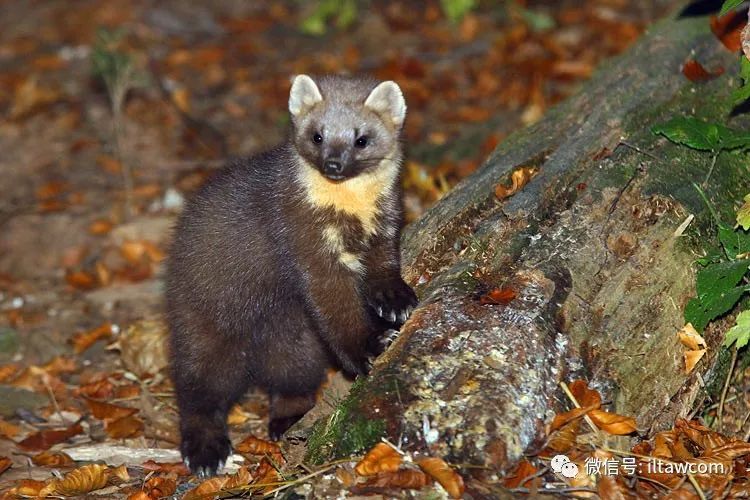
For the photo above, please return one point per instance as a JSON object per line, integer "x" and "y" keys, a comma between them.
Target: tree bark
{"x": 587, "y": 262}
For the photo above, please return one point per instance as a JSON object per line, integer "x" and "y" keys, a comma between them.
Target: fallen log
{"x": 583, "y": 272}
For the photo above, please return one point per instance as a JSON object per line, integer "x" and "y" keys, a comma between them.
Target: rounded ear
{"x": 387, "y": 100}
{"x": 304, "y": 95}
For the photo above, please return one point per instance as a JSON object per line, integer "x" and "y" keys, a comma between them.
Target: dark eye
{"x": 361, "y": 141}
{"x": 317, "y": 138}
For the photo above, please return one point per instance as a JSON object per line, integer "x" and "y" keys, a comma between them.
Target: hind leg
{"x": 293, "y": 368}
{"x": 209, "y": 370}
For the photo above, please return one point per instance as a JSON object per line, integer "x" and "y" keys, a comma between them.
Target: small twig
{"x": 747, "y": 434}
{"x": 697, "y": 487}
{"x": 312, "y": 474}
{"x": 636, "y": 148}
{"x": 681, "y": 228}
{"x": 720, "y": 413}
{"x": 53, "y": 399}
{"x": 711, "y": 168}
{"x": 573, "y": 399}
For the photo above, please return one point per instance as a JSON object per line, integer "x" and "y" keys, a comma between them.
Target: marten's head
{"x": 346, "y": 127}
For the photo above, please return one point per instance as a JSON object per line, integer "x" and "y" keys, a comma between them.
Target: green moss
{"x": 345, "y": 432}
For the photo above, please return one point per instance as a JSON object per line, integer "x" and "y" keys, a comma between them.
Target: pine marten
{"x": 287, "y": 263}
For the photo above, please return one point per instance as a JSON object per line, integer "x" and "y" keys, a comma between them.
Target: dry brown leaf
{"x": 125, "y": 427}
{"x": 52, "y": 459}
{"x": 108, "y": 411}
{"x": 695, "y": 72}
{"x": 728, "y": 29}
{"x": 563, "y": 439}
{"x": 256, "y": 446}
{"x": 140, "y": 495}
{"x": 143, "y": 347}
{"x": 404, "y": 478}
{"x": 120, "y": 472}
{"x": 207, "y": 489}
{"x": 240, "y": 478}
{"x": 81, "y": 280}
{"x": 519, "y": 475}
{"x": 498, "y": 296}
{"x": 98, "y": 389}
{"x": 160, "y": 487}
{"x": 613, "y": 423}
{"x": 690, "y": 338}
{"x": 237, "y": 416}
{"x": 519, "y": 178}
{"x": 584, "y": 395}
{"x": 381, "y": 458}
{"x": 178, "y": 468}
{"x": 83, "y": 340}
{"x": 78, "y": 482}
{"x": 5, "y": 464}
{"x": 612, "y": 488}
{"x": 7, "y": 372}
{"x": 8, "y": 430}
{"x": 43, "y": 440}
{"x": 266, "y": 475}
{"x": 100, "y": 227}
{"x": 30, "y": 97}
{"x": 564, "y": 418}
{"x": 692, "y": 358}
{"x": 28, "y": 488}
{"x": 441, "y": 472}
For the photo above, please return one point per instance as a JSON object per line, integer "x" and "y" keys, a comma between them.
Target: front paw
{"x": 393, "y": 301}
{"x": 205, "y": 452}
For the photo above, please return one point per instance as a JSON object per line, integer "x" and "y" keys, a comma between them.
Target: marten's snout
{"x": 333, "y": 168}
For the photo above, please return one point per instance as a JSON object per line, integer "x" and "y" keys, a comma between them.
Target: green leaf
{"x": 740, "y": 332}
{"x": 735, "y": 242}
{"x": 455, "y": 10}
{"x": 701, "y": 135}
{"x": 720, "y": 277}
{"x": 703, "y": 309}
{"x": 729, "y": 5}
{"x": 743, "y": 214}
{"x": 742, "y": 94}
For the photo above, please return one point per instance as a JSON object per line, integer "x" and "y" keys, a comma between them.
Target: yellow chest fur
{"x": 358, "y": 196}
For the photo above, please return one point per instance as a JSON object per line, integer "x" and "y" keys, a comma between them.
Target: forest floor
{"x": 81, "y": 338}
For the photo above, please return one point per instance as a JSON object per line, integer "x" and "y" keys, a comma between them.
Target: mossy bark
{"x": 589, "y": 253}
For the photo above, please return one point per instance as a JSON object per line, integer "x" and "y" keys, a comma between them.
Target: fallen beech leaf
{"x": 28, "y": 488}
{"x": 695, "y": 72}
{"x": 562, "y": 440}
{"x": 692, "y": 358}
{"x": 727, "y": 452}
{"x": 109, "y": 164}
{"x": 126, "y": 427}
{"x": 98, "y": 389}
{"x": 728, "y": 28}
{"x": 441, "y": 472}
{"x": 29, "y": 98}
{"x": 140, "y": 495}
{"x": 108, "y": 411}
{"x": 207, "y": 489}
{"x": 612, "y": 488}
{"x": 81, "y": 280}
{"x": 143, "y": 347}
{"x": 120, "y": 472}
{"x": 83, "y": 340}
{"x": 498, "y": 296}
{"x": 519, "y": 475}
{"x": 404, "y": 478}
{"x": 160, "y": 487}
{"x": 690, "y": 338}
{"x": 381, "y": 458}
{"x": 78, "y": 482}
{"x": 5, "y": 464}
{"x": 564, "y": 418}
{"x": 43, "y": 440}
{"x": 266, "y": 476}
{"x": 256, "y": 446}
{"x": 8, "y": 430}
{"x": 60, "y": 364}
{"x": 613, "y": 423}
{"x": 240, "y": 478}
{"x": 52, "y": 459}
{"x": 8, "y": 371}
{"x": 237, "y": 416}
{"x": 100, "y": 227}
{"x": 584, "y": 395}
{"x": 178, "y": 468}
{"x": 519, "y": 178}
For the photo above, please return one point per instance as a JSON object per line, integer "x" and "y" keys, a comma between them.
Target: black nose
{"x": 333, "y": 167}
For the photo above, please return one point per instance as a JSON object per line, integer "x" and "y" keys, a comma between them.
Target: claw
{"x": 380, "y": 311}
{"x": 403, "y": 316}
{"x": 392, "y": 316}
